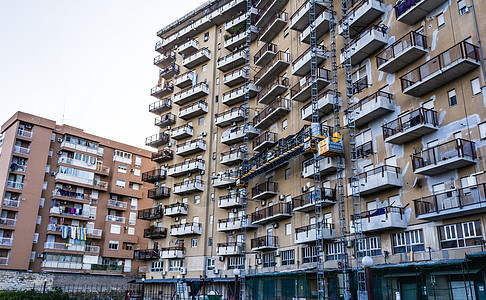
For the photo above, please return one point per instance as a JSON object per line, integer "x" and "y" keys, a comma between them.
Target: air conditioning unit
{"x": 163, "y": 273}
{"x": 40, "y": 255}
{"x": 53, "y": 173}
{"x": 277, "y": 252}
{"x": 221, "y": 258}
{"x": 168, "y": 127}
{"x": 204, "y": 133}
{"x": 176, "y": 219}
{"x": 304, "y": 189}
{"x": 183, "y": 271}
{"x": 59, "y": 152}
{"x": 166, "y": 165}
{"x": 216, "y": 271}
{"x": 59, "y": 140}
{"x": 259, "y": 261}
{"x": 281, "y": 197}
{"x": 235, "y": 210}
{"x": 202, "y": 172}
{"x": 275, "y": 225}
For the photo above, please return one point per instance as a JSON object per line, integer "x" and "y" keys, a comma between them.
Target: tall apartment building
{"x": 69, "y": 199}
{"x": 419, "y": 110}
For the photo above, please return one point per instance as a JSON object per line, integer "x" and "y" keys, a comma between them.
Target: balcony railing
{"x": 444, "y": 157}
{"x": 181, "y": 132}
{"x": 325, "y": 104}
{"x": 195, "y": 164}
{"x": 275, "y": 66}
{"x": 11, "y": 203}
{"x": 21, "y": 150}
{"x": 301, "y": 66}
{"x": 232, "y": 60}
{"x": 188, "y": 47}
{"x": 228, "y": 249}
{"x": 188, "y": 186}
{"x": 184, "y": 80}
{"x": 154, "y": 175}
{"x": 193, "y": 110}
{"x": 89, "y": 231}
{"x": 25, "y": 133}
{"x": 117, "y": 204}
{"x": 115, "y": 219}
{"x": 322, "y": 25}
{"x": 379, "y": 178}
{"x": 3, "y": 261}
{"x": 6, "y": 241}
{"x": 175, "y": 209}
{"x": 170, "y": 71}
{"x": 264, "y": 242}
{"x": 449, "y": 65}
{"x": 72, "y": 247}
{"x": 190, "y": 147}
{"x": 157, "y": 140}
{"x": 384, "y": 218}
{"x": 236, "y": 134}
{"x": 272, "y": 112}
{"x": 411, "y": 11}
{"x": 162, "y": 155}
{"x": 266, "y": 189}
{"x": 230, "y": 200}
{"x": 273, "y": 89}
{"x": 159, "y": 193}
{"x": 263, "y": 56}
{"x": 225, "y": 118}
{"x": 410, "y": 126}
{"x": 8, "y": 222}
{"x": 302, "y": 90}
{"x": 187, "y": 95}
{"x": 15, "y": 185}
{"x": 165, "y": 58}
{"x": 162, "y": 89}
{"x": 151, "y": 213}
{"x": 224, "y": 179}
{"x": 231, "y": 157}
{"x": 308, "y": 234}
{"x": 273, "y": 26}
{"x": 264, "y": 140}
{"x": 307, "y": 201}
{"x": 154, "y": 232}
{"x": 172, "y": 252}
{"x": 164, "y": 120}
{"x": 370, "y": 108}
{"x": 146, "y": 254}
{"x": 362, "y": 14}
{"x": 402, "y": 53}
{"x": 234, "y": 77}
{"x": 197, "y": 58}
{"x": 271, "y": 213}
{"x": 367, "y": 42}
{"x": 185, "y": 229}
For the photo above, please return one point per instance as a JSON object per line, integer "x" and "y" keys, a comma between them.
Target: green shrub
{"x": 56, "y": 294}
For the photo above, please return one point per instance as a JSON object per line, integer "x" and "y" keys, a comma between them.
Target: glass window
{"x": 284, "y": 124}
{"x": 175, "y": 265}
{"x": 461, "y": 5}
{"x": 288, "y": 257}
{"x": 407, "y": 241}
{"x": 482, "y": 130}
{"x": 210, "y": 264}
{"x": 235, "y": 262}
{"x": 288, "y": 174}
{"x": 194, "y": 243}
{"x": 122, "y": 168}
{"x": 288, "y": 229}
{"x": 371, "y": 246}
{"x": 157, "y": 266}
{"x": 269, "y": 259}
{"x": 335, "y": 251}
{"x": 440, "y": 20}
{"x": 476, "y": 88}
{"x": 120, "y": 183}
{"x": 201, "y": 121}
{"x": 460, "y": 235}
{"x": 452, "y": 97}
{"x": 204, "y": 68}
{"x": 309, "y": 254}
{"x": 113, "y": 245}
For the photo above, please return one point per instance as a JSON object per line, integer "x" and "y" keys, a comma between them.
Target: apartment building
{"x": 70, "y": 199}
{"x": 419, "y": 110}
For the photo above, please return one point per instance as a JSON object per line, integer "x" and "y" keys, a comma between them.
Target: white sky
{"x": 96, "y": 56}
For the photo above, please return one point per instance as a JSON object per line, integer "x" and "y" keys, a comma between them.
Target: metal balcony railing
{"x": 267, "y": 47}
{"x": 280, "y": 56}
{"x": 313, "y": 227}
{"x": 8, "y": 221}
{"x": 458, "y": 148}
{"x": 321, "y": 74}
{"x": 267, "y": 186}
{"x": 118, "y": 204}
{"x": 160, "y": 105}
{"x": 265, "y": 241}
{"x": 155, "y": 232}
{"x": 24, "y": 133}
{"x": 382, "y": 170}
{"x": 277, "y": 15}
{"x": 367, "y": 215}
{"x": 165, "y": 120}
{"x": 407, "y": 41}
{"x": 271, "y": 211}
{"x": 309, "y": 198}
{"x": 373, "y": 97}
{"x": 267, "y": 136}
{"x": 417, "y": 117}
{"x": 167, "y": 86}
{"x": 162, "y": 155}
{"x": 160, "y": 192}
{"x": 11, "y": 203}
{"x": 364, "y": 149}
{"x": 157, "y": 174}
{"x": 21, "y": 150}
{"x": 270, "y": 108}
{"x": 278, "y": 81}
{"x": 151, "y": 213}
{"x": 162, "y": 138}
{"x": 146, "y": 254}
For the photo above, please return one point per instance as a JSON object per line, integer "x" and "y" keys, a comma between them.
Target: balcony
{"x": 300, "y": 19}
{"x": 189, "y": 166}
{"x": 185, "y": 80}
{"x": 150, "y": 213}
{"x": 362, "y": 15}
{"x": 272, "y": 213}
{"x": 235, "y": 115}
{"x": 445, "y": 67}
{"x": 279, "y": 62}
{"x": 185, "y": 96}
{"x": 230, "y": 201}
{"x": 264, "y": 190}
{"x": 197, "y": 58}
{"x": 228, "y": 249}
{"x": 162, "y": 155}
{"x": 70, "y": 212}
{"x": 21, "y": 150}
{"x": 15, "y": 185}
{"x": 169, "y": 72}
{"x": 229, "y": 9}
{"x": 92, "y": 183}
{"x": 451, "y": 204}
{"x": 224, "y": 179}
{"x": 235, "y": 77}
{"x": 62, "y": 194}
{"x": 410, "y": 126}
{"x": 154, "y": 232}
{"x": 308, "y": 234}
{"x": 265, "y": 54}
{"x": 402, "y": 53}
{"x": 366, "y": 44}
{"x": 162, "y": 89}
{"x": 159, "y": 193}
{"x": 370, "y": 108}
{"x": 237, "y": 22}
{"x": 237, "y": 95}
{"x": 268, "y": 10}
{"x": 231, "y": 61}
{"x": 325, "y": 105}
{"x": 237, "y": 134}
{"x": 444, "y": 157}
{"x": 302, "y": 65}
{"x": 72, "y": 247}
{"x": 232, "y": 157}
{"x": 191, "y": 147}
{"x": 238, "y": 39}
{"x": 154, "y": 175}
{"x": 327, "y": 165}
{"x": 5, "y": 241}
{"x": 115, "y": 219}
{"x": 263, "y": 243}
{"x": 176, "y": 252}
{"x": 193, "y": 110}
{"x": 383, "y": 219}
{"x": 8, "y": 222}
{"x": 188, "y": 47}
{"x": 24, "y": 133}
{"x": 302, "y": 90}
{"x": 307, "y": 202}
{"x": 379, "y": 179}
{"x": 10, "y": 203}
{"x": 164, "y": 59}
{"x": 114, "y": 204}
{"x": 157, "y": 140}
{"x": 185, "y": 229}
{"x": 146, "y": 254}
{"x": 323, "y": 21}
{"x": 188, "y": 187}
{"x": 274, "y": 111}
{"x": 264, "y": 140}
{"x": 232, "y": 224}
{"x": 364, "y": 149}
{"x": 160, "y": 106}
{"x": 175, "y": 209}
{"x": 274, "y": 25}
{"x": 181, "y": 132}
{"x": 167, "y": 43}
{"x": 411, "y": 11}
{"x": 90, "y": 232}
{"x": 275, "y": 88}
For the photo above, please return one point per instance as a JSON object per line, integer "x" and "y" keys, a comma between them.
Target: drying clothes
{"x": 64, "y": 231}
{"x": 73, "y": 232}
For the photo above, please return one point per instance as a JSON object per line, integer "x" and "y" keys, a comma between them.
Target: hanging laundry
{"x": 73, "y": 232}
{"x": 82, "y": 234}
{"x": 13, "y": 167}
{"x": 64, "y": 231}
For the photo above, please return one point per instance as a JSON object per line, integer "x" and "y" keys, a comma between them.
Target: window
{"x": 309, "y": 254}
{"x": 269, "y": 259}
{"x": 288, "y": 257}
{"x": 452, "y": 97}
{"x": 204, "y": 68}
{"x": 175, "y": 265}
{"x": 206, "y": 36}
{"x": 407, "y": 241}
{"x": 335, "y": 251}
{"x": 284, "y": 124}
{"x": 113, "y": 245}
{"x": 132, "y": 219}
{"x": 115, "y": 229}
{"x": 135, "y": 186}
{"x": 360, "y": 80}
{"x": 36, "y": 238}
{"x": 286, "y": 32}
{"x": 44, "y": 185}
{"x": 216, "y": 98}
{"x": 210, "y": 264}
{"x": 41, "y": 203}
{"x": 120, "y": 183}
{"x": 39, "y": 220}
{"x": 288, "y": 229}
{"x": 131, "y": 230}
{"x": 460, "y": 235}
{"x": 288, "y": 174}
{"x": 461, "y": 5}
{"x": 32, "y": 256}
{"x": 122, "y": 169}
{"x": 440, "y": 20}
{"x": 194, "y": 243}
{"x": 476, "y": 88}
{"x": 372, "y": 246}
{"x": 219, "y": 46}
{"x": 482, "y": 130}
{"x": 197, "y": 199}
{"x": 53, "y": 137}
{"x": 211, "y": 219}
{"x": 201, "y": 121}
{"x": 51, "y": 152}
{"x": 48, "y": 169}
{"x": 157, "y": 266}
{"x": 136, "y": 172}
{"x": 138, "y": 161}
{"x": 364, "y": 144}
{"x": 235, "y": 262}
{"x": 217, "y": 81}
{"x": 210, "y": 242}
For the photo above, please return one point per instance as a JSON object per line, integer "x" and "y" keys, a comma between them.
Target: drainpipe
{"x": 479, "y": 39}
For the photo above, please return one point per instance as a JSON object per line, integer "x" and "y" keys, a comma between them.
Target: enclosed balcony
{"x": 235, "y": 77}
{"x": 238, "y": 39}
{"x": 185, "y": 229}
{"x": 361, "y": 15}
{"x": 185, "y": 80}
{"x": 21, "y": 150}
{"x": 146, "y": 254}
{"x": 154, "y": 232}
{"x": 300, "y": 19}
{"x": 411, "y": 11}
{"x": 193, "y": 110}
{"x": 231, "y": 157}
{"x": 4, "y": 221}
{"x": 264, "y": 140}
{"x": 151, "y": 213}
{"x": 301, "y": 66}
{"x": 268, "y": 10}
{"x": 159, "y": 193}
{"x": 366, "y": 44}
{"x": 87, "y": 249}
{"x": 188, "y": 47}
{"x": 327, "y": 164}
{"x": 264, "y": 190}
{"x": 231, "y": 61}
{"x": 164, "y": 59}
{"x": 230, "y": 201}
{"x": 274, "y": 111}
{"x": 160, "y": 106}
{"x": 181, "y": 132}
{"x": 191, "y": 147}
{"x": 370, "y": 108}
{"x": 323, "y": 21}
{"x": 444, "y": 157}
{"x": 265, "y": 54}
{"x": 325, "y": 105}
{"x": 197, "y": 58}
{"x": 302, "y": 90}
{"x": 162, "y": 155}
{"x": 410, "y": 126}
{"x": 449, "y": 65}
{"x": 234, "y": 115}
{"x": 154, "y": 175}
{"x": 237, "y": 134}
{"x": 169, "y": 71}
{"x": 306, "y": 202}
{"x": 11, "y": 203}
{"x": 237, "y": 95}
{"x": 275, "y": 88}
{"x": 157, "y": 140}
{"x": 273, "y": 26}
{"x": 228, "y": 249}
{"x": 402, "y": 53}
{"x": 189, "y": 166}
{"x": 188, "y": 187}
{"x": 308, "y": 234}
{"x": 176, "y": 252}
{"x": 163, "y": 89}
{"x": 16, "y": 185}
{"x": 263, "y": 243}
{"x": 175, "y": 209}
{"x": 379, "y": 179}
{"x": 383, "y": 219}
{"x": 197, "y": 91}
{"x": 273, "y": 68}
{"x": 232, "y": 224}
{"x": 224, "y": 179}
{"x": 454, "y": 203}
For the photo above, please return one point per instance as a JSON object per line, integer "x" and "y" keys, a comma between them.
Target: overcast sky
{"x": 92, "y": 57}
